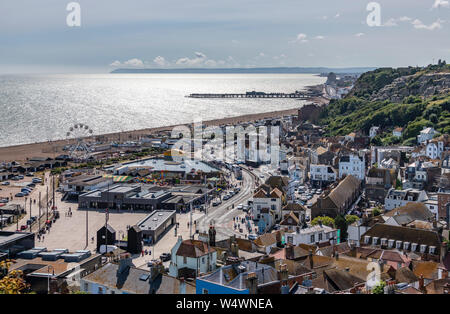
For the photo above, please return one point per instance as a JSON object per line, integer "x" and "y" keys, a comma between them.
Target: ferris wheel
{"x": 79, "y": 148}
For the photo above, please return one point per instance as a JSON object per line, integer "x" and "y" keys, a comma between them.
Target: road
{"x": 222, "y": 216}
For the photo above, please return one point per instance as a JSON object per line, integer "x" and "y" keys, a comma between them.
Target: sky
{"x": 35, "y": 36}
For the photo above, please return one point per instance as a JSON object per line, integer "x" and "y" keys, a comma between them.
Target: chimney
{"x": 283, "y": 273}
{"x": 444, "y": 251}
{"x": 422, "y": 284}
{"x": 311, "y": 262}
{"x": 289, "y": 252}
{"x": 124, "y": 264}
{"x": 252, "y": 283}
{"x": 182, "y": 289}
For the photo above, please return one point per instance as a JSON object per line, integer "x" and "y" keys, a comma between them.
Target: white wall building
{"x": 398, "y": 198}
{"x": 311, "y": 235}
{"x": 193, "y": 254}
{"x": 425, "y": 135}
{"x": 352, "y": 165}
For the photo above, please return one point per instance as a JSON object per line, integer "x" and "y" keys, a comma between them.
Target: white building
{"x": 397, "y": 132}
{"x": 398, "y": 198}
{"x": 435, "y": 148}
{"x": 374, "y": 131}
{"x": 195, "y": 255}
{"x": 425, "y": 135}
{"x": 266, "y": 209}
{"x": 352, "y": 165}
{"x": 320, "y": 174}
{"x": 311, "y": 236}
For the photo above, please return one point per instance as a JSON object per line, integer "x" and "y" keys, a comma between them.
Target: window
{"x": 203, "y": 260}
{"x": 205, "y": 291}
{"x": 184, "y": 260}
{"x": 86, "y": 286}
{"x": 312, "y": 239}
{"x": 320, "y": 236}
{"x": 100, "y": 290}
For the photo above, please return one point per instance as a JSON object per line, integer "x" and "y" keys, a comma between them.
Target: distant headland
{"x": 265, "y": 70}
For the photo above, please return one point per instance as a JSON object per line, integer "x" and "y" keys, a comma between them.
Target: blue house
{"x": 238, "y": 278}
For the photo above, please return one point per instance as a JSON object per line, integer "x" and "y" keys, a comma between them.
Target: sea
{"x": 39, "y": 108}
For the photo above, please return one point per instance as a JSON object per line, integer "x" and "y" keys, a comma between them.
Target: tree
{"x": 325, "y": 220}
{"x": 13, "y": 283}
{"x": 376, "y": 212}
{"x": 379, "y": 289}
{"x": 351, "y": 219}
{"x": 341, "y": 224}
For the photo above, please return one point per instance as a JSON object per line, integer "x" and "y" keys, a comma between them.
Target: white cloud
{"x": 418, "y": 24}
{"x": 337, "y": 15}
{"x": 394, "y": 21}
{"x": 199, "y": 59}
{"x": 441, "y": 4}
{"x": 134, "y": 62}
{"x": 390, "y": 23}
{"x": 359, "y": 34}
{"x": 131, "y": 63}
{"x": 160, "y": 61}
{"x": 320, "y": 37}
{"x": 404, "y": 19}
{"x": 300, "y": 38}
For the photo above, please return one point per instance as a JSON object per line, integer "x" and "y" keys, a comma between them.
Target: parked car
{"x": 23, "y": 227}
{"x": 216, "y": 203}
{"x": 252, "y": 237}
{"x": 6, "y": 183}
{"x": 4, "y": 200}
{"x": 240, "y": 207}
{"x": 30, "y": 174}
{"x": 20, "y": 194}
{"x": 165, "y": 257}
{"x": 36, "y": 180}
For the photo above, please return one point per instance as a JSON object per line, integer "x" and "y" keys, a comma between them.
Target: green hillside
{"x": 358, "y": 112}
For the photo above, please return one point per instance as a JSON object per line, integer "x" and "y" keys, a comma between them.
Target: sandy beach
{"x": 54, "y": 148}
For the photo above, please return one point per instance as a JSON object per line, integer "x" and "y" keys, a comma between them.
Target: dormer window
{"x": 423, "y": 248}
{"x": 432, "y": 250}
{"x": 384, "y": 241}
{"x": 375, "y": 240}
{"x": 366, "y": 239}
{"x": 398, "y": 244}
{"x": 414, "y": 247}
{"x": 405, "y": 245}
{"x": 391, "y": 243}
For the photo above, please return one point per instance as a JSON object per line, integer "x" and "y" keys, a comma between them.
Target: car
{"x": 252, "y": 237}
{"x": 23, "y": 227}
{"x": 30, "y": 174}
{"x": 216, "y": 203}
{"x": 240, "y": 207}
{"x": 31, "y": 185}
{"x": 25, "y": 193}
{"x": 16, "y": 178}
{"x": 165, "y": 257}
{"x": 261, "y": 176}
{"x": 21, "y": 177}
{"x": 20, "y": 194}
{"x": 36, "y": 180}
{"x": 25, "y": 190}
{"x": 226, "y": 197}
{"x": 4, "y": 200}
{"x": 6, "y": 183}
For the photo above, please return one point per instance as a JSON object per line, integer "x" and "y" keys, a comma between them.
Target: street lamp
{"x": 48, "y": 277}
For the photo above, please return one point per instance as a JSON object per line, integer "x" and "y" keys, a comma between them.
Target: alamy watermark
{"x": 229, "y": 144}
{"x": 74, "y": 17}
{"x": 374, "y": 17}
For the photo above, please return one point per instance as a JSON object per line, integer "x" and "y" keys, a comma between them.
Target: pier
{"x": 295, "y": 95}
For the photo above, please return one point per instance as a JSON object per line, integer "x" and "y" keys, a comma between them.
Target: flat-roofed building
{"x": 156, "y": 224}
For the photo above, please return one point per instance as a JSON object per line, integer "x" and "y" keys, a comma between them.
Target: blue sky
{"x": 34, "y": 36}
